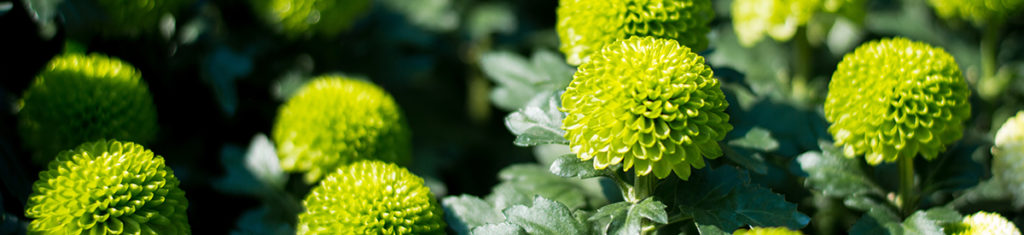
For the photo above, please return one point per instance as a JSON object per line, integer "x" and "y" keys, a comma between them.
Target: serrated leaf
{"x": 610, "y": 218}
{"x": 571, "y": 166}
{"x": 651, "y": 209}
{"x": 545, "y": 217}
{"x": 538, "y": 124}
{"x": 726, "y": 199}
{"x": 835, "y": 175}
{"x": 520, "y": 183}
{"x": 553, "y": 67}
{"x": 757, "y": 138}
{"x": 519, "y": 80}
{"x": 499, "y": 229}
{"x": 466, "y": 212}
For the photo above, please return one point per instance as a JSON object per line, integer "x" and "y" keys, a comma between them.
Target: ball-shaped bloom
{"x": 983, "y": 223}
{"x": 766, "y": 231}
{"x": 1008, "y": 154}
{"x": 585, "y": 26}
{"x": 80, "y": 98}
{"x": 325, "y": 18}
{"x": 645, "y": 102}
{"x": 371, "y": 197}
{"x": 335, "y": 120}
{"x": 979, "y": 12}
{"x": 896, "y": 98}
{"x": 107, "y": 187}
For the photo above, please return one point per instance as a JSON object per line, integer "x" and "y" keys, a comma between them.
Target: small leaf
{"x": 877, "y": 221}
{"x": 262, "y": 162}
{"x": 518, "y": 80}
{"x": 538, "y": 124}
{"x": 466, "y": 212}
{"x": 651, "y": 209}
{"x": 499, "y": 229}
{"x": 757, "y": 138}
{"x": 838, "y": 176}
{"x": 44, "y": 13}
{"x": 520, "y": 183}
{"x": 610, "y": 218}
{"x": 553, "y": 67}
{"x": 545, "y": 217}
{"x": 570, "y": 166}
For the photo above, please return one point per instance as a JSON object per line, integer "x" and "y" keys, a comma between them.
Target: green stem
{"x": 908, "y": 193}
{"x": 989, "y": 48}
{"x": 803, "y": 66}
{"x": 643, "y": 187}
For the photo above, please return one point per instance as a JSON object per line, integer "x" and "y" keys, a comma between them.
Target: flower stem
{"x": 907, "y": 193}
{"x": 643, "y": 187}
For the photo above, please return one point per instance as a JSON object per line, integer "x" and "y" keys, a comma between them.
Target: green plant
{"x": 371, "y": 197}
{"x": 79, "y": 98}
{"x": 334, "y": 120}
{"x": 983, "y": 223}
{"x": 107, "y": 187}
{"x": 304, "y": 18}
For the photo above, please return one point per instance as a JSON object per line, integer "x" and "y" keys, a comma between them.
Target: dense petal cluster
{"x": 1008, "y": 154}
{"x": 645, "y": 102}
{"x": 983, "y": 223}
{"x": 779, "y": 19}
{"x": 979, "y": 12}
{"x": 79, "y": 98}
{"x": 107, "y": 187}
{"x": 896, "y": 98}
{"x": 335, "y": 120}
{"x": 371, "y": 197}
{"x": 767, "y": 231}
{"x": 585, "y": 26}
{"x": 324, "y": 18}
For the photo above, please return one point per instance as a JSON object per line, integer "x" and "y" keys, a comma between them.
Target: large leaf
{"x": 464, "y": 213}
{"x": 521, "y": 183}
{"x": 545, "y": 216}
{"x": 745, "y": 151}
{"x": 835, "y": 175}
{"x": 538, "y": 124}
{"x": 724, "y": 199}
{"x": 519, "y": 80}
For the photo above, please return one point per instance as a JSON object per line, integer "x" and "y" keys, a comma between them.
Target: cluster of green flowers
{"x": 979, "y": 12}
{"x": 780, "y": 19}
{"x": 311, "y": 17}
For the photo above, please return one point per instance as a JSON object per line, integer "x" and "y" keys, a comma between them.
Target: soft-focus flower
{"x": 896, "y": 98}
{"x": 107, "y": 187}
{"x": 645, "y": 102}
{"x": 979, "y": 12}
{"x": 371, "y": 197}
{"x": 79, "y": 98}
{"x": 767, "y": 231}
{"x": 1008, "y": 155}
{"x": 324, "y": 18}
{"x": 983, "y": 223}
{"x": 585, "y": 26}
{"x": 336, "y": 120}
{"x": 752, "y": 19}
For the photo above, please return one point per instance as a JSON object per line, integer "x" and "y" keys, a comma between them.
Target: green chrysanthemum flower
{"x": 371, "y": 197}
{"x": 585, "y": 26}
{"x": 896, "y": 98}
{"x": 752, "y": 19}
{"x": 324, "y": 18}
{"x": 983, "y": 223}
{"x": 1008, "y": 154}
{"x": 767, "y": 231}
{"x": 979, "y": 12}
{"x": 645, "y": 102}
{"x": 335, "y": 120}
{"x": 107, "y": 187}
{"x": 81, "y": 98}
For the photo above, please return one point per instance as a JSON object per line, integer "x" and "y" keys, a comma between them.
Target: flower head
{"x": 767, "y": 231}
{"x": 335, "y": 120}
{"x": 979, "y": 12}
{"x": 107, "y": 187}
{"x": 371, "y": 197}
{"x": 752, "y": 19}
{"x": 1008, "y": 154}
{"x": 896, "y": 98}
{"x": 645, "y": 102}
{"x": 305, "y": 17}
{"x": 585, "y": 26}
{"x": 79, "y": 98}
{"x": 983, "y": 223}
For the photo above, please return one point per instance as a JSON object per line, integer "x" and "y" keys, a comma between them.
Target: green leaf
{"x": 877, "y": 221}
{"x": 44, "y": 12}
{"x": 757, "y": 138}
{"x": 955, "y": 170}
{"x": 518, "y": 80}
{"x": 835, "y": 175}
{"x": 651, "y": 209}
{"x": 538, "y": 124}
{"x": 499, "y": 229}
{"x": 930, "y": 222}
{"x": 746, "y": 158}
{"x": 487, "y": 18}
{"x": 611, "y": 218}
{"x": 545, "y": 217}
{"x": 520, "y": 183}
{"x": 571, "y": 166}
{"x": 725, "y": 198}
{"x": 466, "y": 212}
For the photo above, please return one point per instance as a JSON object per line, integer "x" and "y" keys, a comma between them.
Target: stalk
{"x": 907, "y": 193}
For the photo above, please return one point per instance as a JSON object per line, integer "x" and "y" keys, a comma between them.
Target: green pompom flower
{"x": 107, "y": 187}
{"x": 979, "y": 12}
{"x": 80, "y": 98}
{"x": 896, "y": 98}
{"x": 371, "y": 197}
{"x": 780, "y": 19}
{"x": 335, "y": 120}
{"x": 645, "y": 102}
{"x": 585, "y": 26}
{"x": 324, "y": 18}
{"x": 983, "y": 223}
{"x": 1008, "y": 154}
{"x": 767, "y": 231}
